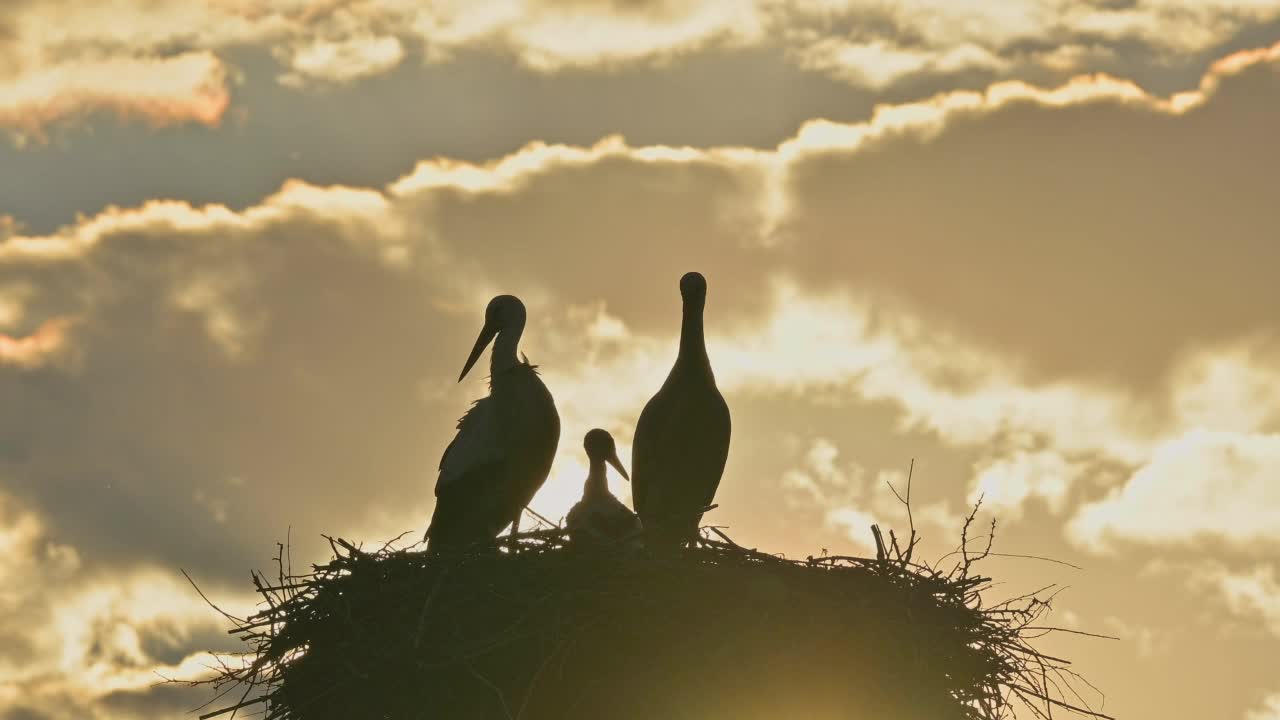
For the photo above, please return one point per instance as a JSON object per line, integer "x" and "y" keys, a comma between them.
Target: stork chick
{"x": 599, "y": 518}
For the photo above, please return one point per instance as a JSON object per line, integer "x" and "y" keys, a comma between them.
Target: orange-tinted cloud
{"x": 66, "y": 58}
{"x": 161, "y": 91}
{"x": 33, "y": 350}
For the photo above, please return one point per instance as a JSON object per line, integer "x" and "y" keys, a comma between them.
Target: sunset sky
{"x": 1031, "y": 244}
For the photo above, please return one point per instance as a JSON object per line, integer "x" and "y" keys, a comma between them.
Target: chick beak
{"x": 617, "y": 465}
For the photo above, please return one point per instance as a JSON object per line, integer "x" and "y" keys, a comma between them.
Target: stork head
{"x": 504, "y": 312}
{"x": 693, "y": 288}
{"x": 600, "y": 448}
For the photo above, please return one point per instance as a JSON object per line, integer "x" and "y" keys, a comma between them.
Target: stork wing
{"x": 645, "y": 445}
{"x": 676, "y": 439}
{"x": 477, "y": 444}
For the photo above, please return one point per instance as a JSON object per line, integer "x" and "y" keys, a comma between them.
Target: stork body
{"x": 502, "y": 453}
{"x": 599, "y": 518}
{"x": 682, "y": 436}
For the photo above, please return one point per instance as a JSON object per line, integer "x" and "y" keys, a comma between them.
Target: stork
{"x": 682, "y": 436}
{"x": 505, "y": 443}
{"x": 599, "y": 518}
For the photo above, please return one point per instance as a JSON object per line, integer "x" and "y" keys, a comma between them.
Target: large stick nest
{"x": 539, "y": 629}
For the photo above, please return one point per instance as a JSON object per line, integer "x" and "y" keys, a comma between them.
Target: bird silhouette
{"x": 599, "y": 518}
{"x": 682, "y": 437}
{"x": 502, "y": 453}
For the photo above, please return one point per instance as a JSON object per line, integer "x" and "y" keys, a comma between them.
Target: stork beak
{"x": 617, "y": 465}
{"x": 487, "y": 333}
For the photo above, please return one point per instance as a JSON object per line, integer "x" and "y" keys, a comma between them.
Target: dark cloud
{"x": 650, "y": 9}
{"x": 1099, "y": 239}
{"x": 23, "y": 713}
{"x": 226, "y": 384}
{"x": 161, "y": 700}
{"x": 476, "y": 107}
{"x": 482, "y": 105}
{"x": 617, "y": 230}
{"x": 1087, "y": 239}
{"x": 160, "y": 447}
{"x": 15, "y": 647}
{"x": 168, "y": 642}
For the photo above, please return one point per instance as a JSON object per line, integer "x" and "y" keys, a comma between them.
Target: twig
{"x": 233, "y": 708}
{"x": 1072, "y": 632}
{"x": 1036, "y": 557}
{"x": 209, "y": 602}
{"x": 724, "y": 537}
{"x": 535, "y": 513}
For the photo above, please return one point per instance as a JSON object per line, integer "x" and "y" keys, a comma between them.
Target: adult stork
{"x": 682, "y": 437}
{"x": 599, "y": 518}
{"x": 505, "y": 443}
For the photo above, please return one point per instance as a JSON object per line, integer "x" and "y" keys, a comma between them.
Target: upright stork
{"x": 599, "y": 518}
{"x": 682, "y": 436}
{"x": 505, "y": 443}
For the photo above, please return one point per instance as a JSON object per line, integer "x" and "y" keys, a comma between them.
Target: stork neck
{"x": 505, "y": 347}
{"x": 693, "y": 345}
{"x": 597, "y": 483}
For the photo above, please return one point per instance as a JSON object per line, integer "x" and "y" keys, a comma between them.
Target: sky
{"x": 1030, "y": 245}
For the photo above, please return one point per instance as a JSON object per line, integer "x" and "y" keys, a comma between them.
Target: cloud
{"x": 1254, "y": 595}
{"x": 190, "y": 87}
{"x": 1268, "y": 710}
{"x": 343, "y": 61}
{"x": 878, "y": 64}
{"x": 203, "y": 327}
{"x": 850, "y": 499}
{"x": 1202, "y": 484}
{"x": 200, "y": 326}
{"x": 1025, "y": 238}
{"x": 979, "y": 353}
{"x": 79, "y": 641}
{"x": 1209, "y": 475}
{"x": 120, "y": 56}
{"x": 1149, "y": 641}
{"x": 229, "y": 363}
{"x": 231, "y": 373}
{"x": 557, "y": 34}
{"x": 35, "y": 349}
{"x": 862, "y": 42}
{"x": 1006, "y": 484}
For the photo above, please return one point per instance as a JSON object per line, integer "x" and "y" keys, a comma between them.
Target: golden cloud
{"x": 68, "y": 58}
{"x": 1203, "y": 484}
{"x": 39, "y": 347}
{"x": 162, "y": 91}
{"x": 231, "y": 361}
{"x": 1268, "y": 710}
{"x": 1252, "y": 594}
{"x": 88, "y": 637}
